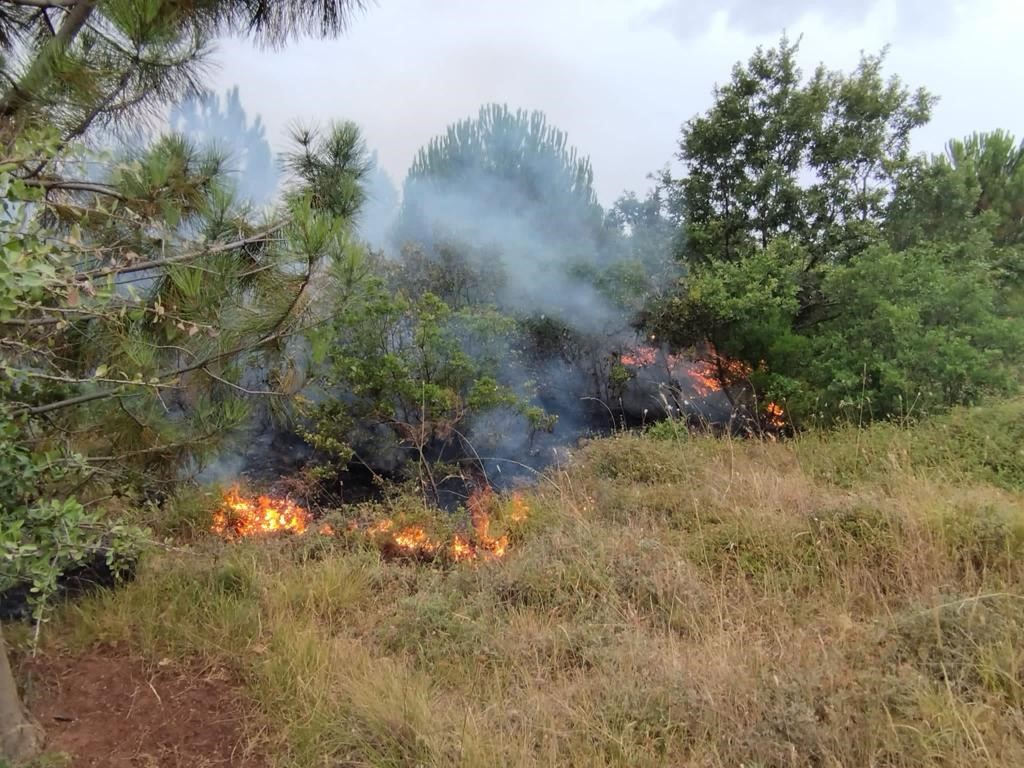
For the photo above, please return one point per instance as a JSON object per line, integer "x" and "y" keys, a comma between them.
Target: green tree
{"x": 76, "y": 64}
{"x": 503, "y": 161}
{"x": 914, "y": 332}
{"x": 500, "y": 210}
{"x": 814, "y": 160}
{"x": 840, "y": 269}
{"x": 414, "y": 366}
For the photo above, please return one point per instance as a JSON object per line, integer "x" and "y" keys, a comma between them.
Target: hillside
{"x": 851, "y": 598}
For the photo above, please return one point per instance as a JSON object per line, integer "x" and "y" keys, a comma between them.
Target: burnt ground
{"x": 107, "y": 709}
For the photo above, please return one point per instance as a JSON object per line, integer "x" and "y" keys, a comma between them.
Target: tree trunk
{"x": 21, "y": 737}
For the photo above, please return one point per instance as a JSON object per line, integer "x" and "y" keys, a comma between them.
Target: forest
{"x": 480, "y": 471}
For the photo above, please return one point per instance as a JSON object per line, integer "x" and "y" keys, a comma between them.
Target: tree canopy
{"x": 840, "y": 268}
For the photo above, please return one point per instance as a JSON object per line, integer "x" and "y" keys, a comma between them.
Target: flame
{"x": 460, "y": 549}
{"x": 239, "y": 516}
{"x": 479, "y": 505}
{"x": 639, "y": 357}
{"x": 381, "y": 526}
{"x": 414, "y": 540}
{"x": 776, "y": 415}
{"x": 518, "y": 508}
{"x": 709, "y": 376}
{"x": 704, "y": 379}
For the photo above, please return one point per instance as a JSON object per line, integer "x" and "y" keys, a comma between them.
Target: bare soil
{"x": 108, "y": 709}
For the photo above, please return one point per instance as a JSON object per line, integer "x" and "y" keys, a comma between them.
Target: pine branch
{"x": 44, "y": 4}
{"x": 78, "y": 13}
{"x": 125, "y": 269}
{"x": 76, "y": 186}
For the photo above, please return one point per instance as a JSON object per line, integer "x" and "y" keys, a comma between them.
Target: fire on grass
{"x": 242, "y": 517}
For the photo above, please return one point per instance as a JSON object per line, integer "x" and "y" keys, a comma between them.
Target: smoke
{"x": 500, "y": 212}
{"x": 515, "y": 205}
{"x": 691, "y": 19}
{"x": 224, "y": 125}
{"x": 535, "y": 250}
{"x": 381, "y": 207}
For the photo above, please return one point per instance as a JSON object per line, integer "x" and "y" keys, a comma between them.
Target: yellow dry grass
{"x": 830, "y": 601}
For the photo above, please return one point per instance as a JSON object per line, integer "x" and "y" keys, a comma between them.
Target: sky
{"x": 619, "y": 76}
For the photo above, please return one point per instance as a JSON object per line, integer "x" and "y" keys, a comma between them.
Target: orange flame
{"x": 479, "y": 505}
{"x": 518, "y": 508}
{"x": 709, "y": 376}
{"x": 776, "y": 415}
{"x": 639, "y": 357}
{"x": 239, "y": 517}
{"x": 414, "y": 540}
{"x": 460, "y": 549}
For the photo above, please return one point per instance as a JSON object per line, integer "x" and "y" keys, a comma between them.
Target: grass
{"x": 849, "y": 599}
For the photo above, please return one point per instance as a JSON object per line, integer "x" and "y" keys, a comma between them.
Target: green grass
{"x": 843, "y": 599}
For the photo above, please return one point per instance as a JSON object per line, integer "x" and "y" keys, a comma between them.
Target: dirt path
{"x": 106, "y": 709}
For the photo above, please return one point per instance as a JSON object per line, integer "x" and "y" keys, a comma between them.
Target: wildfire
{"x": 480, "y": 503}
{"x": 413, "y": 540}
{"x": 709, "y": 376}
{"x": 776, "y": 415}
{"x": 703, "y": 379}
{"x": 518, "y": 508}
{"x": 239, "y": 516}
{"x": 640, "y": 357}
{"x": 461, "y": 550}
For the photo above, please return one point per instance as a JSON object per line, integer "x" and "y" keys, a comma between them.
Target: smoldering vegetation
{"x": 498, "y": 217}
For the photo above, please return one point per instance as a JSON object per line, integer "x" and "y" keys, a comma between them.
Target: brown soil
{"x": 107, "y": 709}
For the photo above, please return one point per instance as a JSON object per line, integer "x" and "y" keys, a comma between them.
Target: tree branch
{"x": 78, "y": 13}
{"x": 44, "y": 4}
{"x": 76, "y": 186}
{"x": 155, "y": 263}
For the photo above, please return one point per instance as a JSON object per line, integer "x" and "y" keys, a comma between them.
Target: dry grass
{"x": 831, "y": 601}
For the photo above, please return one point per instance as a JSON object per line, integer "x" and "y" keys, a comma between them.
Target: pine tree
{"x": 132, "y": 299}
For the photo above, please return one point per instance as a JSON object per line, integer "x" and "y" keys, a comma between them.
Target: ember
{"x": 239, "y": 517}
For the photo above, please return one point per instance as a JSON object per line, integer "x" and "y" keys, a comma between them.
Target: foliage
{"x": 514, "y": 160}
{"x": 917, "y": 332}
{"x": 90, "y": 64}
{"x": 776, "y": 155}
{"x": 137, "y": 296}
{"x": 841, "y": 270}
{"x": 40, "y": 537}
{"x": 414, "y": 365}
